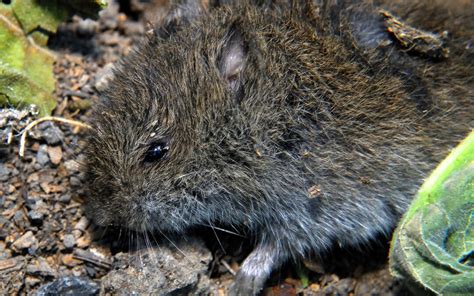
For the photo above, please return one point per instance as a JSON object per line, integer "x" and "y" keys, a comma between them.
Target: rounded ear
{"x": 232, "y": 58}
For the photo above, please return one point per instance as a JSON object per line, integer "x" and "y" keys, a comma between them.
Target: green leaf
{"x": 433, "y": 246}
{"x": 26, "y": 66}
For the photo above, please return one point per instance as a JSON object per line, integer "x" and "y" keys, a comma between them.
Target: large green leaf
{"x": 26, "y": 66}
{"x": 433, "y": 246}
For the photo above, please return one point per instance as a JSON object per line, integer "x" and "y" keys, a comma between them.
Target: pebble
{"x": 32, "y": 281}
{"x": 36, "y": 217}
{"x": 70, "y": 261}
{"x": 26, "y": 241}
{"x": 82, "y": 224}
{"x": 19, "y": 219}
{"x": 52, "y": 134}
{"x": 4, "y": 172}
{"x": 75, "y": 181}
{"x": 72, "y": 166}
{"x": 87, "y": 27}
{"x": 42, "y": 155}
{"x": 11, "y": 264}
{"x": 69, "y": 286}
{"x": 65, "y": 198}
{"x": 69, "y": 241}
{"x": 84, "y": 241}
{"x": 41, "y": 268}
{"x": 55, "y": 154}
{"x": 103, "y": 77}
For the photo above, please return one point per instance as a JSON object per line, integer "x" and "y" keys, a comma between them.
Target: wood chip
{"x": 90, "y": 257}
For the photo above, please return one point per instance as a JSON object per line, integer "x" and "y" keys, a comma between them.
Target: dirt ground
{"x": 44, "y": 235}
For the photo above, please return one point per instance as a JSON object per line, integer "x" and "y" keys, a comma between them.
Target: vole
{"x": 309, "y": 124}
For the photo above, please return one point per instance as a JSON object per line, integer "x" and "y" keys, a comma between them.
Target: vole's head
{"x": 155, "y": 154}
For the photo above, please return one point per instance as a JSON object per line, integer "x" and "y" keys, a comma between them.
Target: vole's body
{"x": 309, "y": 126}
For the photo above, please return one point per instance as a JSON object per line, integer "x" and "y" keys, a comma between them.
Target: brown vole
{"x": 309, "y": 124}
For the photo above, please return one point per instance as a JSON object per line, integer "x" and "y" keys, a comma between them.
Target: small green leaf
{"x": 26, "y": 66}
{"x": 433, "y": 246}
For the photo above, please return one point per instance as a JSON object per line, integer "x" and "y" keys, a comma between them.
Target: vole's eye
{"x": 156, "y": 151}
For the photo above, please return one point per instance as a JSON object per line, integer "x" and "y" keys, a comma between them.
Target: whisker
{"x": 173, "y": 244}
{"x": 222, "y": 229}
{"x": 217, "y": 237}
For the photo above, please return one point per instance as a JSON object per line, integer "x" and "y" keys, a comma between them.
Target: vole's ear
{"x": 232, "y": 58}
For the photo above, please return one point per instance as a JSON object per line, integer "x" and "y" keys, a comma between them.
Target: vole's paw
{"x": 255, "y": 270}
{"x": 245, "y": 285}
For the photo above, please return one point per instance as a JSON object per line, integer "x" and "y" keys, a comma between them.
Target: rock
{"x": 70, "y": 261}
{"x": 55, "y": 154}
{"x": 87, "y": 27}
{"x": 84, "y": 241}
{"x": 75, "y": 181}
{"x": 103, "y": 77}
{"x": 69, "y": 241}
{"x": 4, "y": 172}
{"x": 65, "y": 198}
{"x": 72, "y": 166}
{"x": 82, "y": 224}
{"x": 42, "y": 157}
{"x": 69, "y": 286}
{"x": 35, "y": 217}
{"x": 12, "y": 264}
{"x": 26, "y": 241}
{"x": 51, "y": 133}
{"x": 162, "y": 270}
{"x": 32, "y": 281}
{"x": 40, "y": 267}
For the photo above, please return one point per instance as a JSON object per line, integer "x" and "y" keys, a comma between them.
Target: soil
{"x": 44, "y": 235}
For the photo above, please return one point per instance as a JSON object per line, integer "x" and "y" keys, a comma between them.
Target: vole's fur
{"x": 309, "y": 124}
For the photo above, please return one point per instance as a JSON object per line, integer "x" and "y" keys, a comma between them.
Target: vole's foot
{"x": 246, "y": 285}
{"x": 254, "y": 271}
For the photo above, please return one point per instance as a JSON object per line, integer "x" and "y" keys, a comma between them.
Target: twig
{"x": 38, "y": 121}
{"x": 228, "y": 267}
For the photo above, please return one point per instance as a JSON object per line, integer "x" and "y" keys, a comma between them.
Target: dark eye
{"x": 156, "y": 151}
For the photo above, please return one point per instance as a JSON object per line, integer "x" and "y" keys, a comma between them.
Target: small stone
{"x": 51, "y": 133}
{"x": 46, "y": 187}
{"x": 32, "y": 202}
{"x": 87, "y": 27}
{"x": 55, "y": 154}
{"x": 65, "y": 198}
{"x": 72, "y": 166}
{"x": 70, "y": 261}
{"x": 26, "y": 241}
{"x": 12, "y": 264}
{"x": 82, "y": 224}
{"x": 19, "y": 219}
{"x": 69, "y": 286}
{"x": 133, "y": 28}
{"x": 36, "y": 217}
{"x": 4, "y": 172}
{"x": 41, "y": 268}
{"x": 42, "y": 155}
{"x": 32, "y": 281}
{"x": 84, "y": 241}
{"x": 75, "y": 181}
{"x": 103, "y": 77}
{"x": 69, "y": 241}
